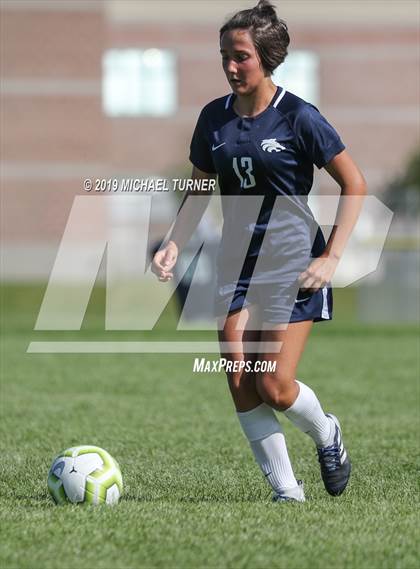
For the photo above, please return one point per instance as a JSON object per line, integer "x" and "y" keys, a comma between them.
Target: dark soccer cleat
{"x": 335, "y": 463}
{"x": 295, "y": 494}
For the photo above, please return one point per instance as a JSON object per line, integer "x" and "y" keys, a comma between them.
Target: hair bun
{"x": 264, "y": 7}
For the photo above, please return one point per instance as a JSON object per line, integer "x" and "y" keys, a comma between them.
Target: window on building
{"x": 139, "y": 82}
{"x": 299, "y": 74}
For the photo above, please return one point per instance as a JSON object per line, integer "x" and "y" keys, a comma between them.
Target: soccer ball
{"x": 85, "y": 474}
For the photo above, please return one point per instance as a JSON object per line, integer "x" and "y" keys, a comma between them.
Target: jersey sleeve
{"x": 200, "y": 150}
{"x": 316, "y": 137}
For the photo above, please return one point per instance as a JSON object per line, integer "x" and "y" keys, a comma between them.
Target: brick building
{"x": 57, "y": 127}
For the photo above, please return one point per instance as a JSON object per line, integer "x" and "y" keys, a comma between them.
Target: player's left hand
{"x": 318, "y": 274}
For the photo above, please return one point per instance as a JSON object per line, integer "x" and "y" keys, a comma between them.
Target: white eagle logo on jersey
{"x": 271, "y": 144}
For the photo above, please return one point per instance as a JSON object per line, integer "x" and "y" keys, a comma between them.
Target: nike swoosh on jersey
{"x": 218, "y": 146}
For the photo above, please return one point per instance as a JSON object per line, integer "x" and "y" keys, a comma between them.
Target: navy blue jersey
{"x": 269, "y": 155}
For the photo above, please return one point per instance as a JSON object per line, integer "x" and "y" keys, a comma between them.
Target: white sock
{"x": 266, "y": 438}
{"x": 307, "y": 414}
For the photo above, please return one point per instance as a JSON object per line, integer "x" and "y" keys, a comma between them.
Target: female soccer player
{"x": 263, "y": 141}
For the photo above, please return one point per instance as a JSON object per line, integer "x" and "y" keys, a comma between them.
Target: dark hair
{"x": 268, "y": 32}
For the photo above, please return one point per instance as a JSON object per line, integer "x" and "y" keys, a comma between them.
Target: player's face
{"x": 241, "y": 63}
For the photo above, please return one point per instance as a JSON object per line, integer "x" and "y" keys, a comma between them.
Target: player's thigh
{"x": 289, "y": 344}
{"x": 239, "y": 337}
{"x": 239, "y": 342}
{"x": 240, "y": 333}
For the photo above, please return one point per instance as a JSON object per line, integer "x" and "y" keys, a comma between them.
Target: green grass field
{"x": 193, "y": 495}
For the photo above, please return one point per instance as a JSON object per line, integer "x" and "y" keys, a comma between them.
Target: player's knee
{"x": 277, "y": 389}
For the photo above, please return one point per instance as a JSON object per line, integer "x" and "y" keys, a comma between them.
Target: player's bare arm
{"x": 192, "y": 212}
{"x": 352, "y": 184}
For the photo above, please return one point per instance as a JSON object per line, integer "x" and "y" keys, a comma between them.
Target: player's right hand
{"x": 164, "y": 261}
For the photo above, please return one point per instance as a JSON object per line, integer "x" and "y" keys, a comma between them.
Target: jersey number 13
{"x": 244, "y": 171}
